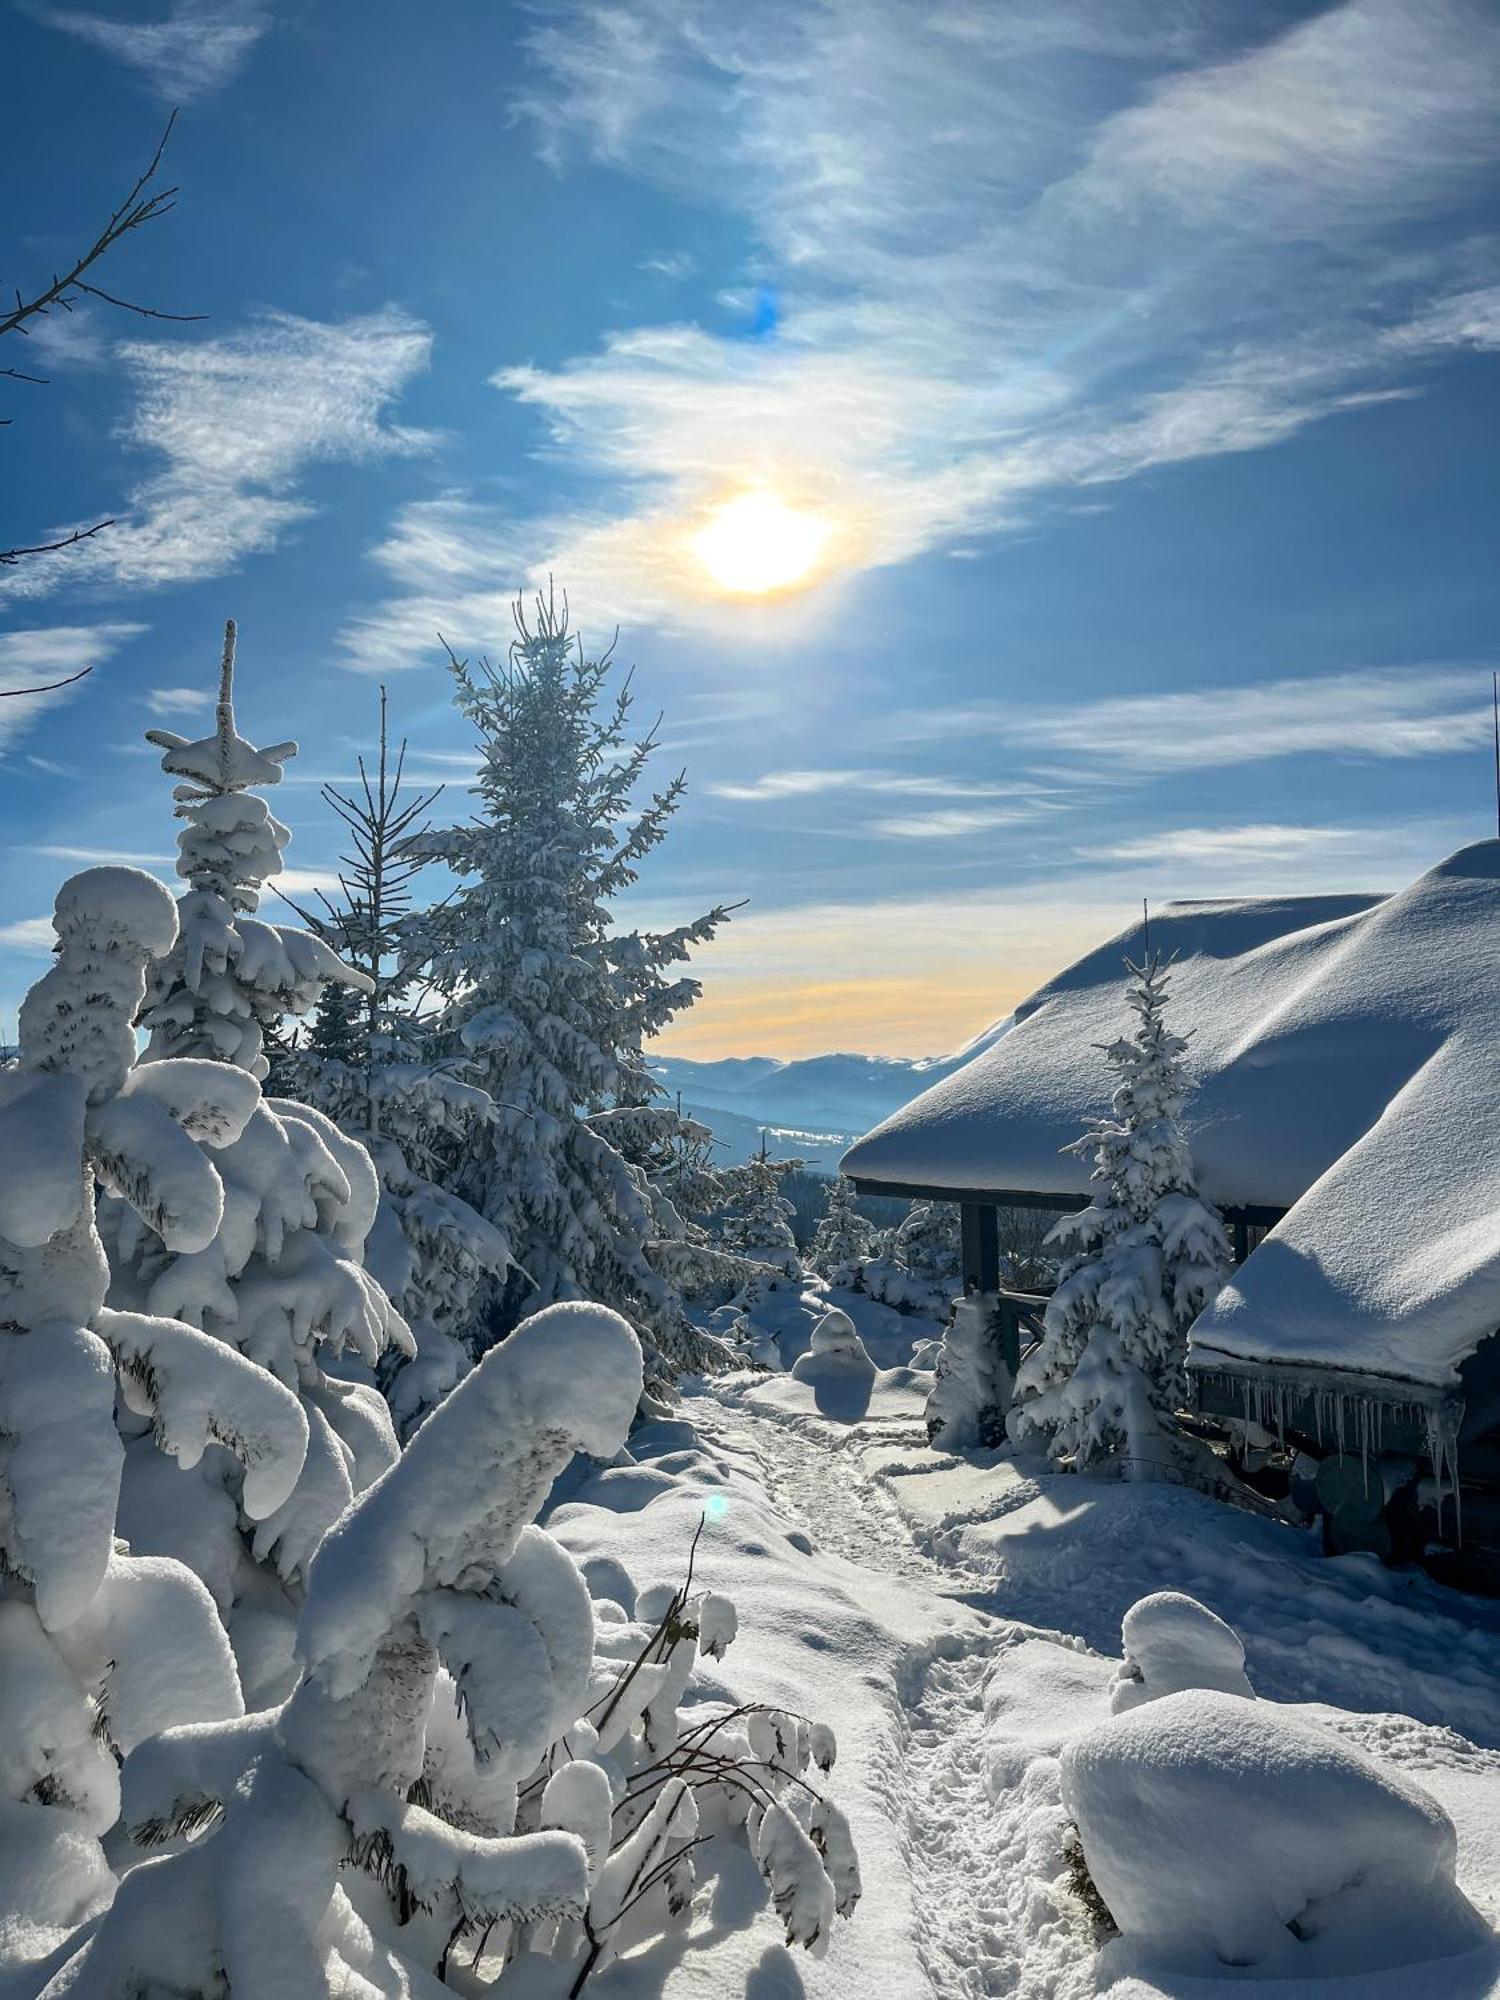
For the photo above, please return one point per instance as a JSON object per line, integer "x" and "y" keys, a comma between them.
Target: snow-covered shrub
{"x": 1145, "y": 1258}
{"x": 919, "y": 1269}
{"x": 844, "y": 1238}
{"x": 1221, "y": 1831}
{"x": 1173, "y": 1642}
{"x": 100, "y": 1646}
{"x": 229, "y": 976}
{"x": 502, "y": 1769}
{"x": 972, "y": 1390}
{"x": 550, "y": 1004}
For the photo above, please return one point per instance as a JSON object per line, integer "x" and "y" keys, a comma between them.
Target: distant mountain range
{"x": 815, "y": 1106}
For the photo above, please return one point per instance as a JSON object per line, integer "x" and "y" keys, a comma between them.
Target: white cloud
{"x": 1366, "y": 712}
{"x": 235, "y": 421}
{"x": 1211, "y": 843}
{"x": 90, "y": 857}
{"x": 1009, "y": 267}
{"x": 811, "y": 783}
{"x": 196, "y": 50}
{"x": 53, "y": 653}
{"x": 172, "y": 701}
{"x": 949, "y": 824}
{"x": 29, "y": 934}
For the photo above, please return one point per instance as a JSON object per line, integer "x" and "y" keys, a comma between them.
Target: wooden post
{"x": 1241, "y": 1239}
{"x": 979, "y": 1226}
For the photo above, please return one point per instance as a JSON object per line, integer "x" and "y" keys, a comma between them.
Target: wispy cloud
{"x": 30, "y": 659}
{"x": 1367, "y": 712}
{"x": 812, "y": 783}
{"x": 29, "y": 934}
{"x": 950, "y": 823}
{"x": 1212, "y": 843}
{"x": 197, "y": 49}
{"x": 89, "y": 857}
{"x": 1010, "y": 265}
{"x": 235, "y": 421}
{"x": 172, "y": 701}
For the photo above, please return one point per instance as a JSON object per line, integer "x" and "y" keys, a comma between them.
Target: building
{"x": 1347, "y": 1124}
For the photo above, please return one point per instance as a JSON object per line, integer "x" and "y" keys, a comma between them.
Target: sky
{"x": 1123, "y": 372}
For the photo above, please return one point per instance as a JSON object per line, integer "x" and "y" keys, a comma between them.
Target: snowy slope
{"x": 1346, "y": 1051}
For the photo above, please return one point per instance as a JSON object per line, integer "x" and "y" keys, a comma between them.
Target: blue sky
{"x": 1138, "y": 360}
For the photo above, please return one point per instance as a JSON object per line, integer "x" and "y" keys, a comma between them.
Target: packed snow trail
{"x": 974, "y": 1870}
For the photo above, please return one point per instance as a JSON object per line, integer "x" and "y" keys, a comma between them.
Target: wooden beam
{"x": 979, "y": 1230}
{"x": 1250, "y": 1214}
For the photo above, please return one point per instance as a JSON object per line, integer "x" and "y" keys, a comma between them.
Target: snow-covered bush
{"x": 1220, "y": 1831}
{"x": 1173, "y": 1642}
{"x": 229, "y": 976}
{"x": 100, "y": 1646}
{"x": 1145, "y": 1258}
{"x": 919, "y": 1269}
{"x": 504, "y": 1771}
{"x": 844, "y": 1238}
{"x": 550, "y": 1004}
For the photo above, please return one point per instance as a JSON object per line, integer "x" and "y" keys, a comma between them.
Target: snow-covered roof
{"x": 1348, "y": 1056}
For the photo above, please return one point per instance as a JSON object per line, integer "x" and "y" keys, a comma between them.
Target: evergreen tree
{"x": 554, "y": 1007}
{"x": 365, "y": 1063}
{"x": 919, "y": 1267}
{"x": 284, "y": 1280}
{"x": 229, "y": 977}
{"x": 759, "y": 1223}
{"x": 1143, "y": 1261}
{"x": 99, "y": 1646}
{"x": 844, "y": 1238}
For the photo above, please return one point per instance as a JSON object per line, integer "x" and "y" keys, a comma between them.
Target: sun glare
{"x": 757, "y": 543}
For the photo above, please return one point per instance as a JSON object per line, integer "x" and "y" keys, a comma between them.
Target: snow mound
{"x": 1172, "y": 1642}
{"x": 1220, "y": 1831}
{"x": 836, "y": 1348}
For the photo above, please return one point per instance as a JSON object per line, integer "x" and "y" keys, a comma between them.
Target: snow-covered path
{"x": 957, "y": 1620}
{"x": 970, "y": 1875}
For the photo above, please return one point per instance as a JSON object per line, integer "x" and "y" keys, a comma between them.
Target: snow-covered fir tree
{"x": 554, "y": 1006}
{"x": 844, "y": 1238}
{"x": 365, "y": 1063}
{"x": 283, "y": 1281}
{"x": 919, "y": 1267}
{"x": 1142, "y": 1261}
{"x": 229, "y": 976}
{"x": 100, "y": 1644}
{"x": 758, "y": 1222}
{"x": 511, "y": 1771}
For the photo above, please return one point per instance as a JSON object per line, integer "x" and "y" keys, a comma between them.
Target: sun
{"x": 757, "y": 543}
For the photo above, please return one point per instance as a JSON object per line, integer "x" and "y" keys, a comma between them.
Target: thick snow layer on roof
{"x": 1346, "y": 1051}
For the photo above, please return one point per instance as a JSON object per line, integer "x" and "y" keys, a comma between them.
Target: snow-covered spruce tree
{"x": 510, "y": 1771}
{"x": 283, "y": 1280}
{"x": 101, "y": 1646}
{"x": 365, "y": 1062}
{"x": 229, "y": 976}
{"x": 554, "y": 1005}
{"x": 921, "y": 1266}
{"x": 1142, "y": 1261}
{"x": 758, "y": 1223}
{"x": 844, "y": 1238}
